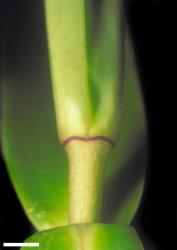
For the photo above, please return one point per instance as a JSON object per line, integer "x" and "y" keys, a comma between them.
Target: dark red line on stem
{"x": 88, "y": 139}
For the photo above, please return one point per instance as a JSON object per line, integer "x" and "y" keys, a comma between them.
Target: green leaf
{"x": 88, "y": 237}
{"x": 36, "y": 160}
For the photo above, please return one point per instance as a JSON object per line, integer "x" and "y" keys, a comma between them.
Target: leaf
{"x": 36, "y": 160}
{"x": 88, "y": 236}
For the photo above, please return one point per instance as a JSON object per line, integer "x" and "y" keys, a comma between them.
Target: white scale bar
{"x": 35, "y": 244}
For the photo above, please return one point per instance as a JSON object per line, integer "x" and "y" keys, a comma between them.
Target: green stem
{"x": 86, "y": 177}
{"x": 86, "y": 88}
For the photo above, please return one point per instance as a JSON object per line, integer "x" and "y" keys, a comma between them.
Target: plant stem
{"x": 87, "y": 95}
{"x": 87, "y": 161}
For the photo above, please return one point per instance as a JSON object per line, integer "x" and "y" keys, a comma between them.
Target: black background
{"x": 153, "y": 26}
